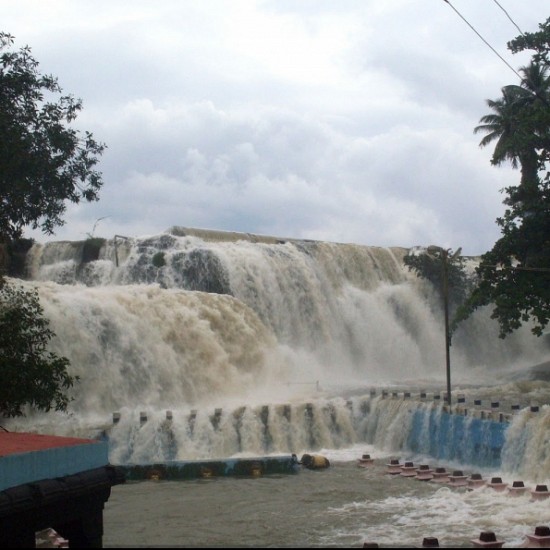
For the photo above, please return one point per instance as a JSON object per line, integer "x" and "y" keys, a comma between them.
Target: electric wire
{"x": 508, "y": 15}
{"x": 483, "y": 39}
{"x": 516, "y": 268}
{"x": 522, "y": 79}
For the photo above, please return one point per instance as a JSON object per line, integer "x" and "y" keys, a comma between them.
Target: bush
{"x": 30, "y": 374}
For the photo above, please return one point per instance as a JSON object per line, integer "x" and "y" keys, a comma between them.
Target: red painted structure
{"x": 12, "y": 442}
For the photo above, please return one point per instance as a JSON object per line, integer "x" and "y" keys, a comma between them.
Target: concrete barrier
{"x": 195, "y": 469}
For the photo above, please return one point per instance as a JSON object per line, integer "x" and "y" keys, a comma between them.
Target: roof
{"x": 15, "y": 443}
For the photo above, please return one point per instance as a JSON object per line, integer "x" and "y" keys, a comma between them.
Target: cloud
{"x": 275, "y": 172}
{"x": 349, "y": 121}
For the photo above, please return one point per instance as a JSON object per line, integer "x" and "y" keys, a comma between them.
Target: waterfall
{"x": 527, "y": 449}
{"x": 223, "y": 432}
{"x": 259, "y": 327}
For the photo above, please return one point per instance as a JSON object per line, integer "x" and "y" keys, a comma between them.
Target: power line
{"x": 517, "y": 268}
{"x": 508, "y": 15}
{"x": 522, "y": 79}
{"x": 485, "y": 41}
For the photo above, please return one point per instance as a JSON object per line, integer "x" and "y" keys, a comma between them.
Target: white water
{"x": 233, "y": 321}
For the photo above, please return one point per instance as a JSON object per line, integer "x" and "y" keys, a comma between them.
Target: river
{"x": 342, "y": 506}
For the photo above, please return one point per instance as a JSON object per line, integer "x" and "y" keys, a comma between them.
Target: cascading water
{"x": 261, "y": 328}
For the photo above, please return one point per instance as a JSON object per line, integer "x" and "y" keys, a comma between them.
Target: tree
{"x": 43, "y": 161}
{"x": 539, "y": 43}
{"x": 514, "y": 276}
{"x": 536, "y": 41}
{"x": 517, "y": 127}
{"x": 430, "y": 265}
{"x": 30, "y": 374}
{"x": 444, "y": 269}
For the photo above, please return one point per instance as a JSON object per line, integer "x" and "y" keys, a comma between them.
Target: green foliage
{"x": 514, "y": 277}
{"x": 159, "y": 260}
{"x": 519, "y": 124}
{"x": 43, "y": 162}
{"x": 30, "y": 373}
{"x": 432, "y": 265}
{"x": 537, "y": 41}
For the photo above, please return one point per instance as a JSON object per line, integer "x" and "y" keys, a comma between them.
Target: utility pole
{"x": 444, "y": 256}
{"x": 445, "y": 284}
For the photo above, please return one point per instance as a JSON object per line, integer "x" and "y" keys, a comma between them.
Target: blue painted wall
{"x": 17, "y": 469}
{"x": 465, "y": 439}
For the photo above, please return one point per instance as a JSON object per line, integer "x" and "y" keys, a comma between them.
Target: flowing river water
{"x": 342, "y": 506}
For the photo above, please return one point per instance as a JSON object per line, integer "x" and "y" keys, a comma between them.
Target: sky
{"x": 348, "y": 121}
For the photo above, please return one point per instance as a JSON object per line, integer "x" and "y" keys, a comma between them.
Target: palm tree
{"x": 519, "y": 124}
{"x": 514, "y": 141}
{"x": 536, "y": 80}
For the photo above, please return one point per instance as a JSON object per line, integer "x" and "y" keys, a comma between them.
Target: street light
{"x": 444, "y": 255}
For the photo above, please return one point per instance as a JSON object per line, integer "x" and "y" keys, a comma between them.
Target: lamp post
{"x": 444, "y": 255}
